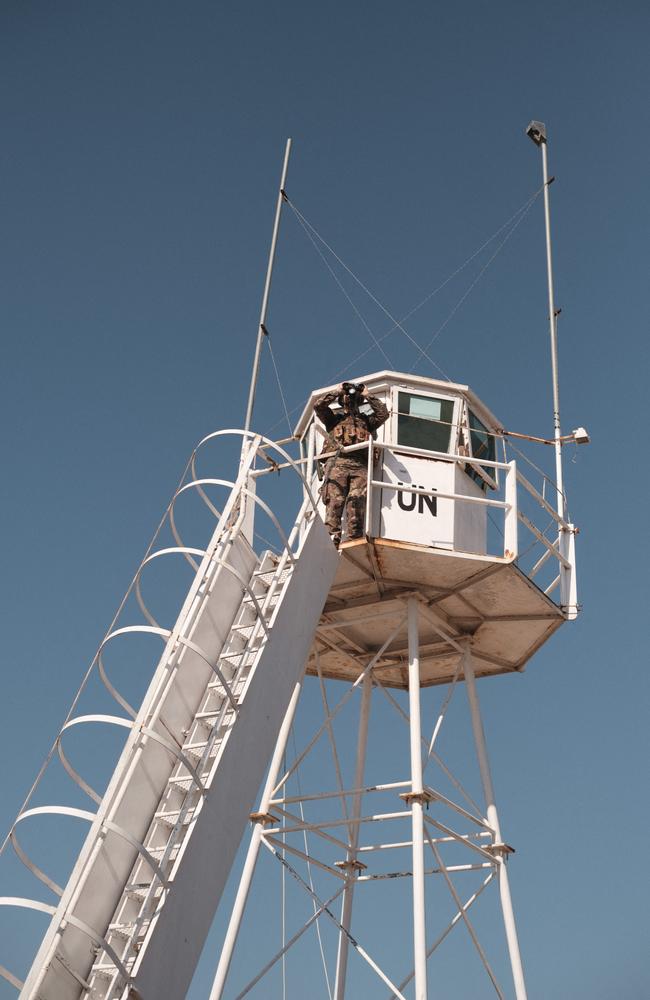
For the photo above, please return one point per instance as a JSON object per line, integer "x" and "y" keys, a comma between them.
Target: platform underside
{"x": 508, "y": 617}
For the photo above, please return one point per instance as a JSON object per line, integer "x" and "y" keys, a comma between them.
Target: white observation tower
{"x": 454, "y": 580}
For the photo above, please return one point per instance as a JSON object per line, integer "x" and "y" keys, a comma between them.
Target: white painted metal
{"x": 552, "y": 320}
{"x": 566, "y": 536}
{"x": 428, "y": 497}
{"x": 382, "y": 382}
{"x": 202, "y": 623}
{"x": 568, "y": 579}
{"x": 261, "y": 329}
{"x": 144, "y": 768}
{"x": 183, "y": 922}
{"x": 493, "y": 820}
{"x": 370, "y": 524}
{"x": 277, "y": 837}
{"x": 419, "y": 921}
{"x": 178, "y": 803}
{"x": 472, "y": 933}
{"x": 253, "y": 849}
{"x": 510, "y": 525}
{"x": 351, "y": 858}
{"x": 416, "y": 508}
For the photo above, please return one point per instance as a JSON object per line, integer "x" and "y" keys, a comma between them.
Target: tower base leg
{"x": 493, "y": 819}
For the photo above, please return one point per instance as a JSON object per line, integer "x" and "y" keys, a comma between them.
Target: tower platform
{"x": 486, "y": 597}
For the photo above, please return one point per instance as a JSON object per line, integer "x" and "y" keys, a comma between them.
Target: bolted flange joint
{"x": 266, "y": 819}
{"x": 351, "y": 865}
{"x": 500, "y": 850}
{"x": 424, "y": 797}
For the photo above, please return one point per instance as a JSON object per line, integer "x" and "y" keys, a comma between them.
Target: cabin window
{"x": 424, "y": 421}
{"x": 482, "y": 446}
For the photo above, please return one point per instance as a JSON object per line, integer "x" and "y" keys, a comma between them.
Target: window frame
{"x": 445, "y": 397}
{"x": 488, "y": 478}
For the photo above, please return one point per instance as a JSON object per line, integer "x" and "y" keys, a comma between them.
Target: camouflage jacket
{"x": 346, "y": 428}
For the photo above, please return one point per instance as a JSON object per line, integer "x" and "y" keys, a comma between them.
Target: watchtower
{"x": 437, "y": 592}
{"x": 453, "y": 580}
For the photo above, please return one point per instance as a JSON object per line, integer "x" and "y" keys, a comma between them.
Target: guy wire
{"x": 277, "y": 376}
{"x": 397, "y": 324}
{"x": 304, "y": 225}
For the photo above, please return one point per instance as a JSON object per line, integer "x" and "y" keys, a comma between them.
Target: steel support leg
{"x": 419, "y": 926}
{"x": 253, "y": 850}
{"x": 493, "y": 820}
{"x": 351, "y": 872}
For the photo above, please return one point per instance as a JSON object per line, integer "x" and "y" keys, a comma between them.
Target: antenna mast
{"x": 537, "y": 132}
{"x": 261, "y": 330}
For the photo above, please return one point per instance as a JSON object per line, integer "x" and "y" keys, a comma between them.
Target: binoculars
{"x": 350, "y": 389}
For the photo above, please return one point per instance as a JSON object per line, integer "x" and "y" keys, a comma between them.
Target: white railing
{"x": 227, "y": 523}
{"x": 560, "y": 551}
{"x": 519, "y": 507}
{"x": 508, "y": 504}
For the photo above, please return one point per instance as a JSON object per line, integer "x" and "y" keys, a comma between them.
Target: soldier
{"x": 344, "y": 486}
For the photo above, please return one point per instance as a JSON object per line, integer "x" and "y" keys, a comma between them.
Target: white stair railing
{"x": 172, "y": 821}
{"x": 188, "y": 755}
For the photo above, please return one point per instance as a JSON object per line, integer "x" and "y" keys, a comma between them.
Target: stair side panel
{"x": 105, "y": 862}
{"x": 175, "y": 940}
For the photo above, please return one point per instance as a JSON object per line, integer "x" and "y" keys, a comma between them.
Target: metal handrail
{"x": 286, "y": 561}
{"x": 508, "y": 505}
{"x": 236, "y": 504}
{"x": 545, "y": 541}
{"x": 442, "y": 456}
{"x": 541, "y": 500}
{"x": 484, "y": 501}
{"x": 256, "y": 626}
{"x": 265, "y": 443}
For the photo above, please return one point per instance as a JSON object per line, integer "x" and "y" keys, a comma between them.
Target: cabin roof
{"x": 378, "y": 380}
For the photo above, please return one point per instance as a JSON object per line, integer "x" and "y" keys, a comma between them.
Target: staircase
{"x": 134, "y": 916}
{"x": 182, "y": 796}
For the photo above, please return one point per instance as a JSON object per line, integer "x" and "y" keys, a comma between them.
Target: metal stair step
{"x": 126, "y": 930}
{"x": 140, "y": 890}
{"x": 213, "y": 713}
{"x": 157, "y": 853}
{"x": 106, "y": 969}
{"x": 216, "y": 685}
{"x": 103, "y": 971}
{"x": 235, "y": 655}
{"x": 205, "y": 718}
{"x": 196, "y": 750}
{"x": 248, "y": 603}
{"x": 185, "y": 783}
{"x": 171, "y": 818}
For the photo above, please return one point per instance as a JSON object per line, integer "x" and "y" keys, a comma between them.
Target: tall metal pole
{"x": 537, "y": 132}
{"x": 261, "y": 330}
{"x": 493, "y": 820}
{"x": 416, "y": 798}
{"x": 351, "y": 864}
{"x": 253, "y": 849}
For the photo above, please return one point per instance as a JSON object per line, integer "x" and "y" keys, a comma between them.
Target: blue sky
{"x": 140, "y": 156}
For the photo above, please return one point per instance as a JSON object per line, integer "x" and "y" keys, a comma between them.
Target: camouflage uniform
{"x": 344, "y": 486}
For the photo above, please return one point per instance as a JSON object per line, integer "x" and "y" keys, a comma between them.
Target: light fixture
{"x": 537, "y": 132}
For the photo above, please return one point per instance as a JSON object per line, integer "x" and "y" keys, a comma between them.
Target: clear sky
{"x": 140, "y": 154}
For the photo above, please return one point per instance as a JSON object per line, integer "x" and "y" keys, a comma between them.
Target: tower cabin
{"x": 442, "y": 522}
